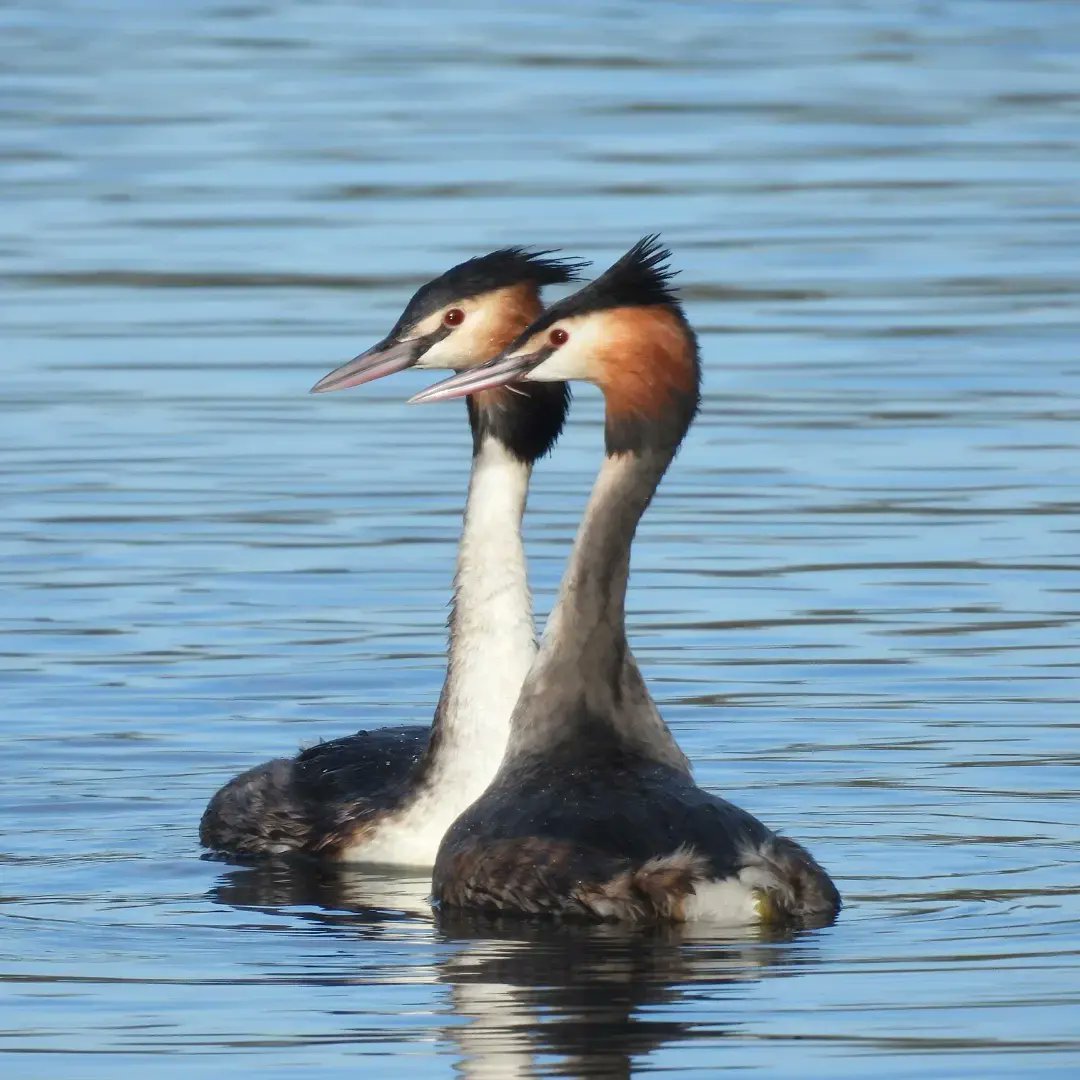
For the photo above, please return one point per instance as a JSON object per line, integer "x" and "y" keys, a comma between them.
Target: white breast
{"x": 730, "y": 901}
{"x": 493, "y": 641}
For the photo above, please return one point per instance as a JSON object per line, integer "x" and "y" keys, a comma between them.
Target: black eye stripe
{"x": 428, "y": 340}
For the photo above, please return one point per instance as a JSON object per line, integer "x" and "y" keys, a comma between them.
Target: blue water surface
{"x": 856, "y": 597}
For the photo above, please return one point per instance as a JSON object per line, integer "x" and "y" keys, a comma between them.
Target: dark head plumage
{"x": 485, "y": 273}
{"x": 641, "y": 278}
{"x": 642, "y": 352}
{"x": 527, "y": 420}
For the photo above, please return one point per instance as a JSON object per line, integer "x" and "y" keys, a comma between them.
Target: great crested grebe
{"x": 593, "y": 813}
{"x": 388, "y": 795}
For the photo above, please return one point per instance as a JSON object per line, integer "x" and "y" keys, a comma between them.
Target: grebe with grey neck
{"x": 593, "y": 813}
{"x": 388, "y": 795}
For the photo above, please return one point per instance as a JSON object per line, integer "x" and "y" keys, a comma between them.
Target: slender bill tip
{"x": 379, "y": 361}
{"x": 495, "y": 373}
{"x": 324, "y": 385}
{"x": 438, "y": 392}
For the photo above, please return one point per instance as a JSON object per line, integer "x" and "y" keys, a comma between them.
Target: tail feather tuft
{"x": 656, "y": 891}
{"x": 792, "y": 884}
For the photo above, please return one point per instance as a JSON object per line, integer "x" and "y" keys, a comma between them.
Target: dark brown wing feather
{"x": 283, "y": 805}
{"x": 590, "y": 840}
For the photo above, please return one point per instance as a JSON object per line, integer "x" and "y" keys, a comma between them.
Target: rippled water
{"x": 856, "y": 597}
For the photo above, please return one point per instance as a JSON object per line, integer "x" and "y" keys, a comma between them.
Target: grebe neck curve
{"x": 492, "y": 647}
{"x": 586, "y": 682}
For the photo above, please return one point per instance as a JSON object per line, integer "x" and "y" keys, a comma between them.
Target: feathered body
{"x": 593, "y": 813}
{"x": 388, "y": 796}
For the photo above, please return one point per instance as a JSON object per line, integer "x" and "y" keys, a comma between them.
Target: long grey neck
{"x": 585, "y": 688}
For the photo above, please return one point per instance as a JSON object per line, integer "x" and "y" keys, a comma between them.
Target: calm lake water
{"x": 856, "y": 598}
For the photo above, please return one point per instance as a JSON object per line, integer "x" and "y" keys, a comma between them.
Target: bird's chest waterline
{"x": 470, "y": 743}
{"x": 411, "y": 834}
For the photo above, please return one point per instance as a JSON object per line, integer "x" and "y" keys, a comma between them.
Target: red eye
{"x": 454, "y": 317}
{"x": 558, "y": 337}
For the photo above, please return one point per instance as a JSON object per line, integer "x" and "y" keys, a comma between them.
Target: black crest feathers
{"x": 484, "y": 273}
{"x": 641, "y": 278}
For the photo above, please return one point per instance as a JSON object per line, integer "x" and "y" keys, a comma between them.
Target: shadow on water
{"x": 596, "y": 997}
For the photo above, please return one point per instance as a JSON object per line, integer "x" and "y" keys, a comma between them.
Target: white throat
{"x": 492, "y": 647}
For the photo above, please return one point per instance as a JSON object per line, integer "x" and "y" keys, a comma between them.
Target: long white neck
{"x": 492, "y": 647}
{"x": 492, "y": 636}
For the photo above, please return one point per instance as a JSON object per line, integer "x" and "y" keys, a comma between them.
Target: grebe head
{"x": 462, "y": 318}
{"x": 625, "y": 332}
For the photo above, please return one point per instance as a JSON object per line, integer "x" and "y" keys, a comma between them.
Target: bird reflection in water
{"x": 589, "y": 995}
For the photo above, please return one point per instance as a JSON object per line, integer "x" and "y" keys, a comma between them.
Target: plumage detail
{"x": 650, "y": 373}
{"x": 656, "y": 891}
{"x": 793, "y": 884}
{"x": 593, "y": 813}
{"x": 773, "y": 881}
{"x": 484, "y": 273}
{"x": 527, "y": 419}
{"x": 368, "y": 798}
{"x": 281, "y": 806}
{"x": 641, "y": 278}
{"x": 539, "y": 876}
{"x": 371, "y": 797}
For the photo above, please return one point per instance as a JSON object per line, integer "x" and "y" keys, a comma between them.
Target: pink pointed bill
{"x": 380, "y": 360}
{"x": 487, "y": 377}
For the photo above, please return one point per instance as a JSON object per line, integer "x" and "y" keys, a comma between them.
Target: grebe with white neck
{"x": 593, "y": 813}
{"x": 388, "y": 795}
